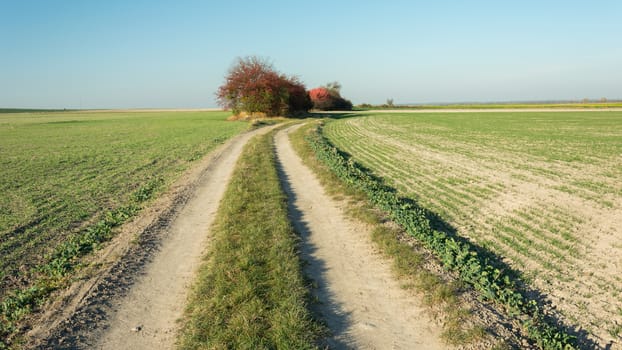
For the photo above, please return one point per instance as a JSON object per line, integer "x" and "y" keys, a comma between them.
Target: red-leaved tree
{"x": 320, "y": 97}
{"x": 254, "y": 86}
{"x": 329, "y": 98}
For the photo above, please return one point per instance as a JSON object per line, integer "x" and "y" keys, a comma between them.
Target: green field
{"x": 62, "y": 172}
{"x": 541, "y": 190}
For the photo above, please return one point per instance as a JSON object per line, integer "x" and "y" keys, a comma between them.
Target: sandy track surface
{"x": 136, "y": 301}
{"x": 362, "y": 304}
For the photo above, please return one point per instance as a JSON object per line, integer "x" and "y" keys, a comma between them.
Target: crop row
{"x": 465, "y": 193}
{"x": 474, "y": 266}
{"x": 459, "y": 196}
{"x": 537, "y": 148}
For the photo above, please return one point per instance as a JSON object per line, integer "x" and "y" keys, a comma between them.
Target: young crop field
{"x": 541, "y": 190}
{"x": 60, "y": 173}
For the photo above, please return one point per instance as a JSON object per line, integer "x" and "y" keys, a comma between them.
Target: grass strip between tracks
{"x": 250, "y": 292}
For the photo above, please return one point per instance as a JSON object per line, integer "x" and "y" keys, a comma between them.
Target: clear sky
{"x": 174, "y": 54}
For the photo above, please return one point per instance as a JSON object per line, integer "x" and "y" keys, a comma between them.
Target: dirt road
{"x": 135, "y": 298}
{"x": 362, "y": 304}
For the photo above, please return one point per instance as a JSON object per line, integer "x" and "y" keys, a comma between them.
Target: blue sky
{"x": 174, "y": 54}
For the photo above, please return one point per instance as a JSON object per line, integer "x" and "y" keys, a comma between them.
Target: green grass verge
{"x": 441, "y": 297}
{"x": 250, "y": 292}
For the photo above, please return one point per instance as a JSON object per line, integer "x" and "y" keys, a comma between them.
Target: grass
{"x": 251, "y": 293}
{"x": 25, "y": 110}
{"x": 68, "y": 179}
{"x": 535, "y": 187}
{"x": 441, "y": 296}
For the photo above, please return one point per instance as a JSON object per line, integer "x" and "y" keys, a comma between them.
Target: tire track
{"x": 361, "y": 302}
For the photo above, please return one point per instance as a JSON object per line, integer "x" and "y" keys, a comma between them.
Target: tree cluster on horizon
{"x": 253, "y": 86}
{"x": 328, "y": 98}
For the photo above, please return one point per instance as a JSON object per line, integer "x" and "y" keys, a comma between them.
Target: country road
{"x": 140, "y": 292}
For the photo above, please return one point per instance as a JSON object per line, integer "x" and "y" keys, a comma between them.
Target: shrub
{"x": 254, "y": 86}
{"x": 298, "y": 98}
{"x": 321, "y": 98}
{"x": 329, "y": 98}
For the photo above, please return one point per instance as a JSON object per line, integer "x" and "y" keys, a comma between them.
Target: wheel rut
{"x": 359, "y": 299}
